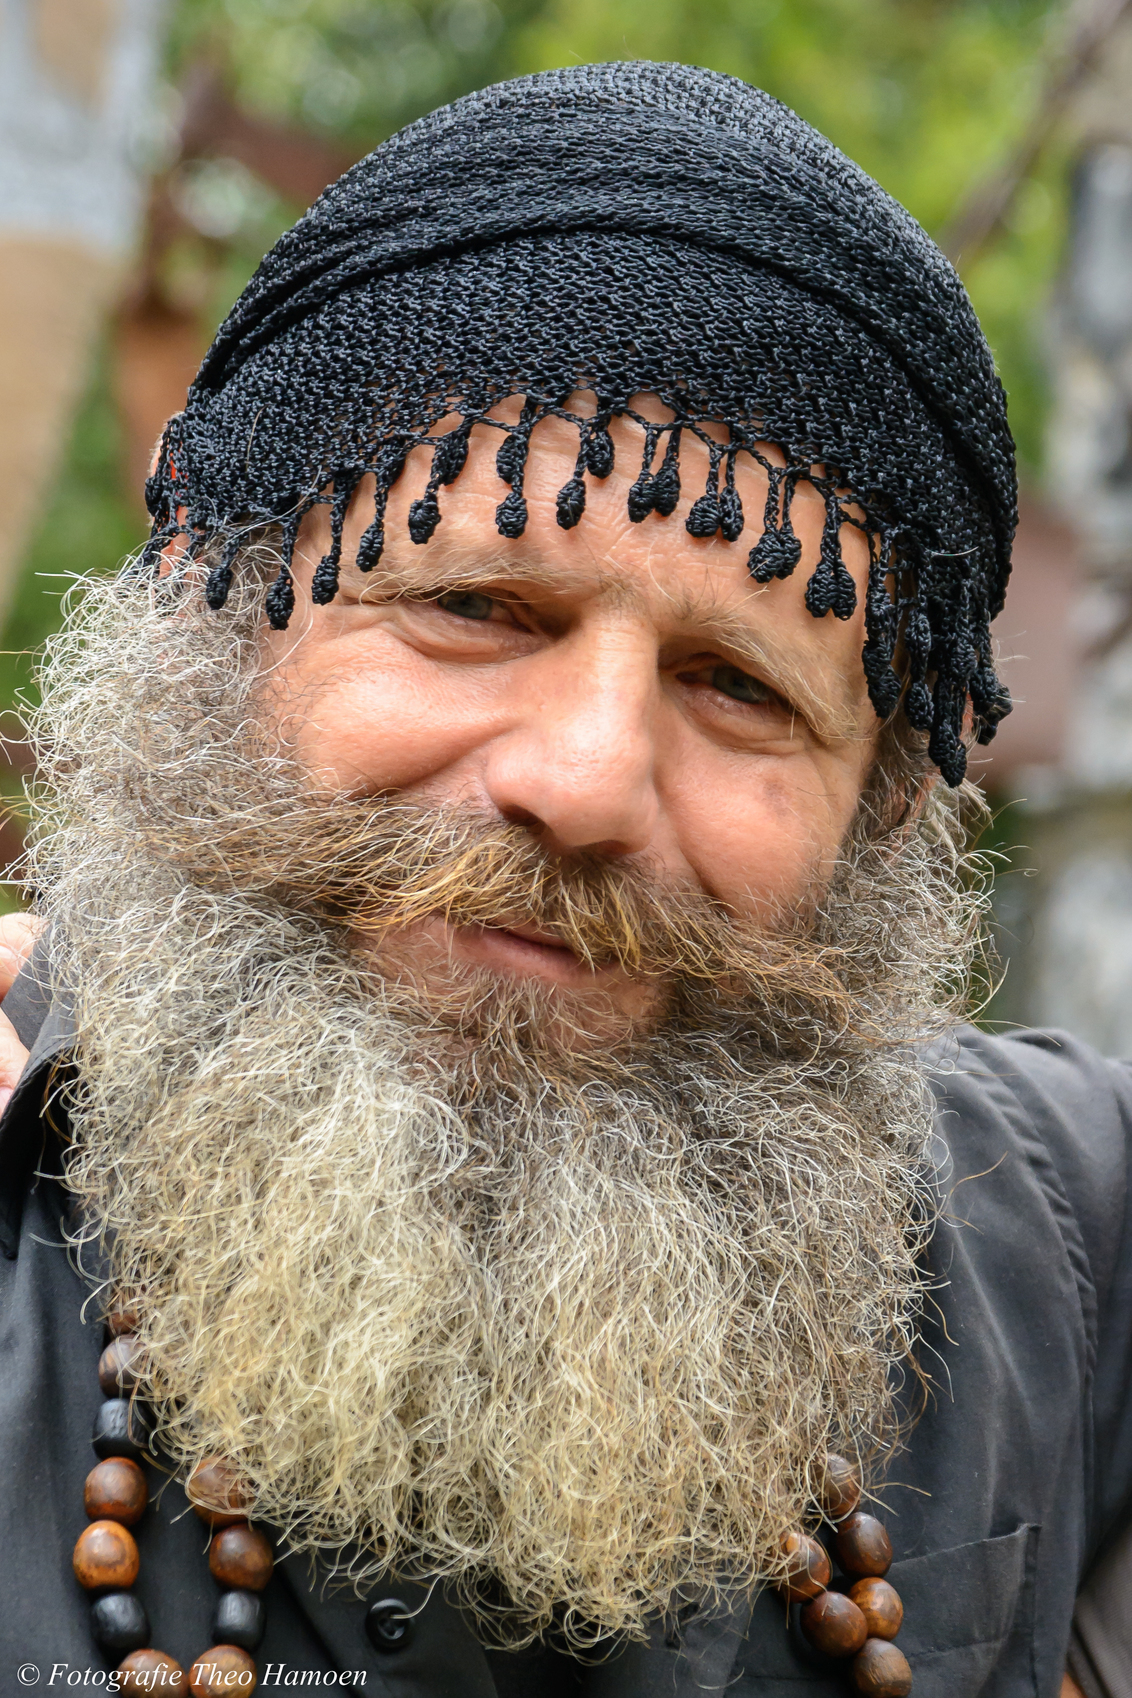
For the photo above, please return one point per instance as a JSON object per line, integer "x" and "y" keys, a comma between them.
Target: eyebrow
{"x": 447, "y": 563}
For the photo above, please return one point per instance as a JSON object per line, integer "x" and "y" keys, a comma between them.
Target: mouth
{"x": 524, "y": 950}
{"x": 532, "y": 934}
{"x": 430, "y": 949}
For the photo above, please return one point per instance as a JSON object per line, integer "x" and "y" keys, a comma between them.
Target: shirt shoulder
{"x": 1062, "y": 1108}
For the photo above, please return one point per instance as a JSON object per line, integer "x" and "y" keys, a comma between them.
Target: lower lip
{"x": 509, "y": 952}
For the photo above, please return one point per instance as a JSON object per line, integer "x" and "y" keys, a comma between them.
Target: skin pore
{"x": 621, "y": 689}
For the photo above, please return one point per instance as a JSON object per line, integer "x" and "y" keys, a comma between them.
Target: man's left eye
{"x": 467, "y": 604}
{"x": 740, "y": 686}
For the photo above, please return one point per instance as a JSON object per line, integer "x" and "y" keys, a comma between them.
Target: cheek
{"x": 373, "y": 715}
{"x": 758, "y": 840}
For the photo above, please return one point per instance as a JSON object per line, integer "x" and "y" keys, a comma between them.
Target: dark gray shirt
{"x": 1014, "y": 1483}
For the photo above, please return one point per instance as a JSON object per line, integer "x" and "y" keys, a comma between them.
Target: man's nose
{"x": 577, "y": 764}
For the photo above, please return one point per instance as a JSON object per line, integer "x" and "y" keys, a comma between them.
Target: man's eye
{"x": 467, "y": 604}
{"x": 740, "y": 686}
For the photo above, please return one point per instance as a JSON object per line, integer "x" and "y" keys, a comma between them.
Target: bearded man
{"x": 495, "y": 1052}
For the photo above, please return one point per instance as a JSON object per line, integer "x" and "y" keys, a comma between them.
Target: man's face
{"x": 621, "y": 689}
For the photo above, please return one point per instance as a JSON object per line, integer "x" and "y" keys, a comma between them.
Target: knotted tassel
{"x": 450, "y": 455}
{"x": 511, "y": 515}
{"x": 730, "y": 507}
{"x": 506, "y": 465}
{"x": 510, "y": 463}
{"x": 666, "y": 483}
{"x": 964, "y": 660}
{"x": 324, "y": 584}
{"x": 220, "y": 578}
{"x": 390, "y": 464}
{"x": 703, "y": 519}
{"x": 778, "y": 550}
{"x": 571, "y": 503}
{"x": 642, "y": 494}
{"x": 831, "y": 588}
{"x": 372, "y": 545}
{"x": 448, "y": 458}
{"x": 599, "y": 450}
{"x": 945, "y": 744}
{"x": 993, "y": 705}
{"x": 918, "y": 647}
{"x": 424, "y": 516}
{"x": 989, "y": 698}
{"x": 280, "y": 601}
{"x": 880, "y": 631}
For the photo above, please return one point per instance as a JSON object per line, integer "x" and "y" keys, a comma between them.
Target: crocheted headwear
{"x": 624, "y": 229}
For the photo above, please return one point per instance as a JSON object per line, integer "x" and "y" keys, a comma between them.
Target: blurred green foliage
{"x": 87, "y": 525}
{"x": 355, "y": 70}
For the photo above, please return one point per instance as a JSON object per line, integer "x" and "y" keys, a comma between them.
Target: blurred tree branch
{"x": 981, "y": 215}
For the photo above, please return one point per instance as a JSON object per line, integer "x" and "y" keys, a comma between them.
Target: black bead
{"x": 599, "y": 453}
{"x": 388, "y": 1625}
{"x": 120, "y": 1429}
{"x": 239, "y": 1620}
{"x": 424, "y": 516}
{"x": 642, "y": 498}
{"x": 703, "y": 520}
{"x": 119, "y": 1623}
{"x": 730, "y": 515}
{"x": 511, "y": 515}
{"x": 571, "y": 503}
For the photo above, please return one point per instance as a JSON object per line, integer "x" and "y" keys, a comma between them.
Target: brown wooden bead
{"x": 880, "y": 1670}
{"x": 808, "y": 1571}
{"x": 841, "y": 1487}
{"x": 241, "y": 1556}
{"x": 880, "y": 1604}
{"x": 221, "y": 1672}
{"x": 216, "y": 1493}
{"x": 119, "y": 1323}
{"x": 151, "y": 1672}
{"x": 118, "y": 1367}
{"x": 862, "y": 1546}
{"x": 116, "y": 1491}
{"x": 833, "y": 1625}
{"x": 105, "y": 1555}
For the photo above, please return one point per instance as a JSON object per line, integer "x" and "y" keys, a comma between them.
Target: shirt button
{"x": 388, "y": 1625}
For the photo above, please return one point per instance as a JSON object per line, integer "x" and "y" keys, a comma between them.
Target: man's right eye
{"x": 467, "y": 604}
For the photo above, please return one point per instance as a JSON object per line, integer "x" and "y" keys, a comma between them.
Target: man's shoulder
{"x": 1049, "y": 1112}
{"x": 1049, "y": 1085}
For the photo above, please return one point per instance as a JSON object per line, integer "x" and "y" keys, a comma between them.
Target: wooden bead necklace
{"x": 860, "y": 1622}
{"x": 856, "y": 1620}
{"x": 106, "y": 1558}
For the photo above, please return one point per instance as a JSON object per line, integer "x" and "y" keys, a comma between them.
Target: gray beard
{"x": 567, "y": 1329}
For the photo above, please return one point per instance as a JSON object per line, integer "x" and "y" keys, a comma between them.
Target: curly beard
{"x": 569, "y": 1325}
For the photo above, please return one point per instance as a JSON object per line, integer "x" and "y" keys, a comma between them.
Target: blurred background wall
{"x": 151, "y": 150}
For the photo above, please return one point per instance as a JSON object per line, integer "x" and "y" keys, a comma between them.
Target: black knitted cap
{"x": 622, "y": 229}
